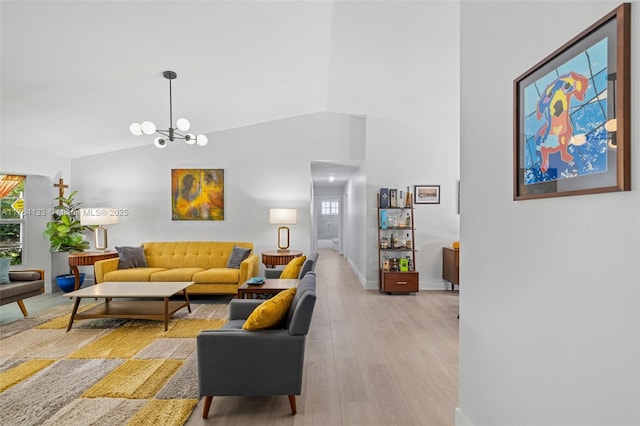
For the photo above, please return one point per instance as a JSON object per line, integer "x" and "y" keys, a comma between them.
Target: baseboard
{"x": 462, "y": 419}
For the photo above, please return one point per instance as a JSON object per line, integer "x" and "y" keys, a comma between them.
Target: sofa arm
{"x": 248, "y": 269}
{"x": 240, "y": 309}
{"x": 101, "y": 267}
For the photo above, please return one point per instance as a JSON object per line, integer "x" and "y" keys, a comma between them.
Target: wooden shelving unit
{"x": 391, "y": 222}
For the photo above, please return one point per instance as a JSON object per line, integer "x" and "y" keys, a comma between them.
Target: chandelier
{"x": 148, "y": 128}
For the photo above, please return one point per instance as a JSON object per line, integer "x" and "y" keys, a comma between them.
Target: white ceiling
{"x": 75, "y": 74}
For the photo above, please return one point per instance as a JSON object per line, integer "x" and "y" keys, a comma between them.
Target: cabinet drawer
{"x": 402, "y": 282}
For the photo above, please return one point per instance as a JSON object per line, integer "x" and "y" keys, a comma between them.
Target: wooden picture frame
{"x": 572, "y": 123}
{"x": 426, "y": 194}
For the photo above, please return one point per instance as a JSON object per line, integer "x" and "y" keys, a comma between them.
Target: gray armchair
{"x": 308, "y": 265}
{"x": 233, "y": 361}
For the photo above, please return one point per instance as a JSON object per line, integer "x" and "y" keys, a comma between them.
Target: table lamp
{"x": 99, "y": 217}
{"x": 282, "y": 217}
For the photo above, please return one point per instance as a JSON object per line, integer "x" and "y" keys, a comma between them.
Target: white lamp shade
{"x": 202, "y": 140}
{"x": 282, "y": 216}
{"x": 136, "y": 129}
{"x": 160, "y": 143}
{"x": 148, "y": 128}
{"x": 183, "y": 124}
{"x": 98, "y": 216}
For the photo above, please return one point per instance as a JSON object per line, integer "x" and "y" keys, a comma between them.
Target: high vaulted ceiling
{"x": 76, "y": 74}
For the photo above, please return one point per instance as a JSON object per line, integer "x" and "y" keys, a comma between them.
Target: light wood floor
{"x": 371, "y": 359}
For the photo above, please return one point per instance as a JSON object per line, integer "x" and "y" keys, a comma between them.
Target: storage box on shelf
{"x": 396, "y": 244}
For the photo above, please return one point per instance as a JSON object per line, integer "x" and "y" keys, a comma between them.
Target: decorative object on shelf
{"x": 98, "y": 218}
{"x": 384, "y": 198}
{"x": 283, "y": 217}
{"x": 427, "y": 194}
{"x": 456, "y": 245}
{"x": 572, "y": 119}
{"x": 407, "y": 201}
{"x": 148, "y": 128}
{"x": 197, "y": 194}
{"x": 393, "y": 198}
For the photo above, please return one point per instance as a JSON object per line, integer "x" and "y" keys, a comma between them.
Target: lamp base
{"x": 283, "y": 235}
{"x": 100, "y": 238}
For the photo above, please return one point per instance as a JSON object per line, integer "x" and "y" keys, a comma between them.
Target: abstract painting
{"x": 569, "y": 110}
{"x": 197, "y": 194}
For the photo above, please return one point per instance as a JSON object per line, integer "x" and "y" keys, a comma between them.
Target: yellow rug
{"x": 104, "y": 371}
{"x": 135, "y": 379}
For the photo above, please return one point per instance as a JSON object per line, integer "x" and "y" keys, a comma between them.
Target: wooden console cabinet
{"x": 451, "y": 266}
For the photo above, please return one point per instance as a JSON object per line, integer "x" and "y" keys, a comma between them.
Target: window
{"x": 12, "y": 217}
{"x": 330, "y": 207}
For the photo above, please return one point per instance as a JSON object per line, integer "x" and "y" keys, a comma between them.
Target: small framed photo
{"x": 426, "y": 194}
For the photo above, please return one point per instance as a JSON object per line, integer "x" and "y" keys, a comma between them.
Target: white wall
{"x": 401, "y": 155}
{"x": 266, "y": 165}
{"x": 397, "y": 63}
{"x": 550, "y": 288}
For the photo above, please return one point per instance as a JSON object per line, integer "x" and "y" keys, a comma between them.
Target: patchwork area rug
{"x": 103, "y": 371}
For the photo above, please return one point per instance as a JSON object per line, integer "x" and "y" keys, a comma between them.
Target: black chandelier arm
{"x": 163, "y": 132}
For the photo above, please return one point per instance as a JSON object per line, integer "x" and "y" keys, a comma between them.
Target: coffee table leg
{"x": 186, "y": 297}
{"x": 73, "y": 313}
{"x": 166, "y": 313}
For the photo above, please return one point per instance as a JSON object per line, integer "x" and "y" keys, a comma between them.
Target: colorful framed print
{"x": 197, "y": 194}
{"x": 426, "y": 194}
{"x": 572, "y": 124}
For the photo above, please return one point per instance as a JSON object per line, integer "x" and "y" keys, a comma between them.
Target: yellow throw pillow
{"x": 270, "y": 312}
{"x": 292, "y": 269}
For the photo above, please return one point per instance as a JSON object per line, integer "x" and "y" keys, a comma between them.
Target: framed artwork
{"x": 197, "y": 194}
{"x": 426, "y": 194}
{"x": 572, "y": 115}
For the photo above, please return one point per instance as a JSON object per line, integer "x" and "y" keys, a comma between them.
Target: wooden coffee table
{"x": 133, "y": 309}
{"x": 271, "y": 286}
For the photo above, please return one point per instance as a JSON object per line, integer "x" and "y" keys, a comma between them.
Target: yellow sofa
{"x": 203, "y": 262}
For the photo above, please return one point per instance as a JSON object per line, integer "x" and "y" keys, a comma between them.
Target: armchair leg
{"x": 23, "y": 308}
{"x": 207, "y": 405}
{"x": 292, "y": 403}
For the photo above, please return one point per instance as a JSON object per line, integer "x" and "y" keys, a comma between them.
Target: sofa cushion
{"x": 24, "y": 275}
{"x": 238, "y": 254}
{"x": 190, "y": 254}
{"x": 270, "y": 312}
{"x": 292, "y": 269}
{"x": 131, "y": 257}
{"x": 23, "y": 287}
{"x": 217, "y": 275}
{"x": 5, "y": 262}
{"x": 176, "y": 274}
{"x": 132, "y": 274}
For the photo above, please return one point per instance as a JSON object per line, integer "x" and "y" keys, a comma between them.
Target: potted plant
{"x": 64, "y": 232}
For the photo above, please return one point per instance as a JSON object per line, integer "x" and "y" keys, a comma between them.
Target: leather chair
{"x": 308, "y": 265}
{"x": 237, "y": 362}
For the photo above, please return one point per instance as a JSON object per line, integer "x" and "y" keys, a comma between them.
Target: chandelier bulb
{"x": 183, "y": 124}
{"x": 190, "y": 138}
{"x": 202, "y": 140}
{"x": 136, "y": 129}
{"x": 148, "y": 128}
{"x": 160, "y": 143}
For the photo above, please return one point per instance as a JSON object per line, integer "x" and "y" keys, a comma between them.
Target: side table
{"x": 451, "y": 266}
{"x": 270, "y": 287}
{"x": 87, "y": 258}
{"x": 279, "y": 257}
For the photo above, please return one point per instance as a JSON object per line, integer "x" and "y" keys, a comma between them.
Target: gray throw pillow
{"x": 5, "y": 262}
{"x": 131, "y": 257}
{"x": 237, "y": 256}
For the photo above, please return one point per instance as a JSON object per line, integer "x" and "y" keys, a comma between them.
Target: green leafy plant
{"x": 64, "y": 231}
